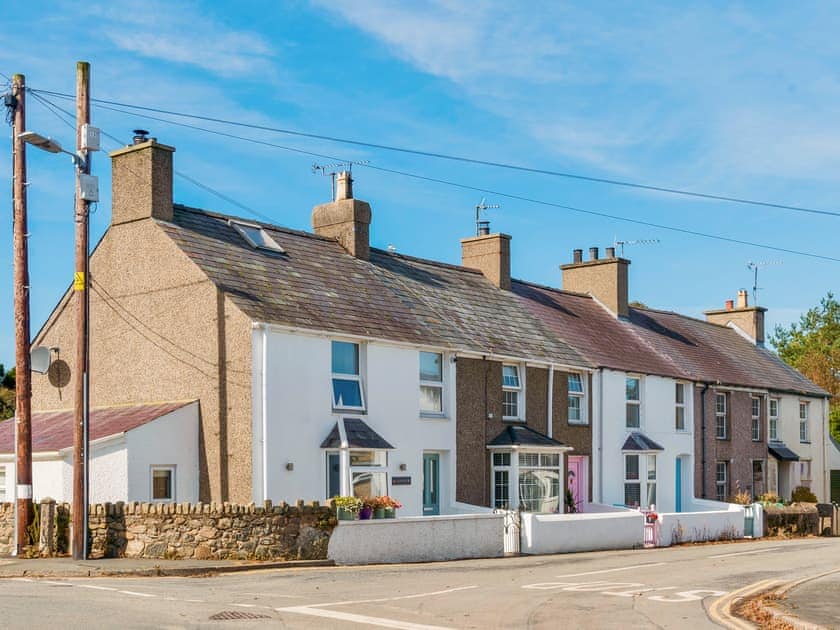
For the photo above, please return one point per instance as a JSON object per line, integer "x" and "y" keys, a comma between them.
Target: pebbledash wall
{"x": 200, "y": 531}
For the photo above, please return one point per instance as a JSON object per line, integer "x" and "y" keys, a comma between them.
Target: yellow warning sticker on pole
{"x": 79, "y": 281}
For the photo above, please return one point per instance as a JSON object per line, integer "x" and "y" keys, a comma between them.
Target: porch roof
{"x": 521, "y": 435}
{"x": 639, "y": 442}
{"x": 780, "y": 451}
{"x": 358, "y": 435}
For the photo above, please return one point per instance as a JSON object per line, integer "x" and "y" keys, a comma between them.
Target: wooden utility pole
{"x": 23, "y": 373}
{"x": 81, "y": 284}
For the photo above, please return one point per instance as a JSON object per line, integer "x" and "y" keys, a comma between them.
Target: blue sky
{"x": 732, "y": 98}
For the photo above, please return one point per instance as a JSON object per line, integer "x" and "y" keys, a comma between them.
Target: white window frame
{"x": 680, "y": 406}
{"x": 520, "y": 392}
{"x": 580, "y": 396}
{"x": 268, "y": 243}
{"x": 558, "y": 469}
{"x": 805, "y": 480}
{"x": 804, "y": 424}
{"x": 721, "y": 483}
{"x": 773, "y": 419}
{"x": 755, "y": 429}
{"x": 171, "y": 468}
{"x": 3, "y": 476}
{"x": 722, "y": 418}
{"x": 637, "y": 402}
{"x": 646, "y": 480}
{"x": 349, "y": 377}
{"x": 440, "y": 385}
{"x": 368, "y": 468}
{"x": 510, "y": 474}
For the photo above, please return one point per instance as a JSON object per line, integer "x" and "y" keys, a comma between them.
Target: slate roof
{"x": 522, "y": 435}
{"x": 638, "y": 441}
{"x": 660, "y": 342}
{"x": 781, "y": 452}
{"x": 315, "y": 284}
{"x": 359, "y": 435}
{"x": 53, "y": 430}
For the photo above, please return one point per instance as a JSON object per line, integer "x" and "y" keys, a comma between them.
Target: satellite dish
{"x": 40, "y": 358}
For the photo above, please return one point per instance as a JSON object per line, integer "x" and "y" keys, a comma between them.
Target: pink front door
{"x": 577, "y": 480}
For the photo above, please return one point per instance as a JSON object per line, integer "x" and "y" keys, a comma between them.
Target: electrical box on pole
{"x": 89, "y": 187}
{"x": 90, "y": 138}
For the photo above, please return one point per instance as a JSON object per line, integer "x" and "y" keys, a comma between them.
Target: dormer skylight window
{"x": 256, "y": 236}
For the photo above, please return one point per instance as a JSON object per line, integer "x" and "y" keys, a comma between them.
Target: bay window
{"x": 639, "y": 475}
{"x": 527, "y": 480}
{"x": 368, "y": 476}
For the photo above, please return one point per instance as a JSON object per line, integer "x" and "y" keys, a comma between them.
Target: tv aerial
{"x": 331, "y": 170}
{"x": 483, "y": 226}
{"x": 754, "y": 267}
{"x": 644, "y": 241}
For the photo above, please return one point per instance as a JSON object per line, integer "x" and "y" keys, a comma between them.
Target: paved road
{"x": 665, "y": 588}
{"x": 817, "y": 601}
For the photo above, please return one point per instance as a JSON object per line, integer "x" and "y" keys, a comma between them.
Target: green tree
{"x": 7, "y": 393}
{"x": 812, "y": 346}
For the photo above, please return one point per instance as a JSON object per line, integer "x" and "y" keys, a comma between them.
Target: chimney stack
{"x": 345, "y": 219}
{"x": 141, "y": 180}
{"x": 739, "y": 314}
{"x": 604, "y": 279}
{"x": 489, "y": 254}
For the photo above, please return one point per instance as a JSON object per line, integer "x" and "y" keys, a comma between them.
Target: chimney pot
{"x": 610, "y": 252}
{"x": 593, "y": 253}
{"x": 483, "y": 228}
{"x": 730, "y": 304}
{"x": 140, "y": 136}
{"x": 742, "y": 298}
{"x": 344, "y": 186}
{"x": 577, "y": 255}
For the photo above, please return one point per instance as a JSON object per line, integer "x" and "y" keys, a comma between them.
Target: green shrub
{"x": 803, "y": 495}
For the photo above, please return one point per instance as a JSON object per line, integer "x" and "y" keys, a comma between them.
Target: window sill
{"x": 345, "y": 411}
{"x": 805, "y": 442}
{"x": 579, "y": 423}
{"x": 722, "y": 439}
{"x": 682, "y": 431}
{"x": 434, "y": 416}
{"x": 514, "y": 420}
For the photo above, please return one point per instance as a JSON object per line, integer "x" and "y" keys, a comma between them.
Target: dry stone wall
{"x": 7, "y": 528}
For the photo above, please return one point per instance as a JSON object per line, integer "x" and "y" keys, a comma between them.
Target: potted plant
{"x": 346, "y": 508}
{"x": 391, "y": 507}
{"x": 366, "y": 512}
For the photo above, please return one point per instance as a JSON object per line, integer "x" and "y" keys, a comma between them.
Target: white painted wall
{"x": 565, "y": 533}
{"x": 657, "y": 422}
{"x": 171, "y": 440}
{"x": 788, "y": 432}
{"x": 300, "y": 416}
{"x": 705, "y": 520}
{"x": 419, "y": 539}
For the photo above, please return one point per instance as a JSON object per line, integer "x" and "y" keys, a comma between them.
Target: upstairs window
{"x": 346, "y": 377}
{"x": 633, "y": 397}
{"x": 721, "y": 423}
{"x": 257, "y": 236}
{"x": 774, "y": 419}
{"x": 512, "y": 407}
{"x": 756, "y": 418}
{"x": 804, "y": 431}
{"x": 679, "y": 407}
{"x": 577, "y": 399}
{"x": 431, "y": 383}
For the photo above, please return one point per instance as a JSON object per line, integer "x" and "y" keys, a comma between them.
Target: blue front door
{"x": 679, "y": 485}
{"x": 431, "y": 484}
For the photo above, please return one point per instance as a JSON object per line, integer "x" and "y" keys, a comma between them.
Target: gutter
{"x": 703, "y": 438}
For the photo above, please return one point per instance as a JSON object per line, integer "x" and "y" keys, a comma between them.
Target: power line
{"x": 485, "y": 191}
{"x": 468, "y": 160}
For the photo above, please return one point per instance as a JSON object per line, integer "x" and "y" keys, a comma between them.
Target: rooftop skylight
{"x": 256, "y": 236}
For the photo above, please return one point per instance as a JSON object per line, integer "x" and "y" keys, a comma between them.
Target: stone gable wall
{"x": 200, "y": 531}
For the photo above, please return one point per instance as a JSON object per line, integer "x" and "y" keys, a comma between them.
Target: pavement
{"x": 655, "y": 588}
{"x": 11, "y": 567}
{"x": 815, "y": 601}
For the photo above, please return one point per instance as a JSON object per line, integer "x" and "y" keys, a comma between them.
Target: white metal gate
{"x": 513, "y": 528}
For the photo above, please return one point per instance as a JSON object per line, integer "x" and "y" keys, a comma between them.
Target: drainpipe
{"x": 600, "y": 435}
{"x": 703, "y": 438}
{"x": 264, "y": 411}
{"x": 550, "y": 431}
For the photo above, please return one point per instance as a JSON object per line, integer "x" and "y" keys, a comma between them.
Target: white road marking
{"x": 391, "y": 599}
{"x": 744, "y": 553}
{"x": 634, "y": 566}
{"x": 56, "y": 583}
{"x": 136, "y": 594}
{"x": 627, "y": 589}
{"x": 98, "y": 588}
{"x": 362, "y": 619}
{"x": 248, "y": 605}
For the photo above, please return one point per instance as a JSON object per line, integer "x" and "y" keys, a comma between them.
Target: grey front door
{"x": 431, "y": 484}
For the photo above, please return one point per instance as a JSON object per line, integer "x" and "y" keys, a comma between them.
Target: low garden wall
{"x": 418, "y": 539}
{"x": 798, "y": 519}
{"x": 704, "y": 521}
{"x": 606, "y": 528}
{"x": 200, "y": 531}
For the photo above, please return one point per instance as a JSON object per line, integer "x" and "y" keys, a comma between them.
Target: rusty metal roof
{"x": 53, "y": 430}
{"x": 315, "y": 284}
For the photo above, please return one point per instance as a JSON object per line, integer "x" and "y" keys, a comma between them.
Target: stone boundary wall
{"x": 7, "y": 528}
{"x": 200, "y": 531}
{"x": 798, "y": 519}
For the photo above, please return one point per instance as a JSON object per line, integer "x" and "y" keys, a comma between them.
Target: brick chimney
{"x": 748, "y": 319}
{"x": 489, "y": 254}
{"x": 605, "y": 279}
{"x": 141, "y": 181}
{"x": 346, "y": 219}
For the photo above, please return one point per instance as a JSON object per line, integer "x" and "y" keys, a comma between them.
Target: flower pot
{"x": 379, "y": 512}
{"x": 365, "y": 513}
{"x": 343, "y": 514}
{"x": 390, "y": 512}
